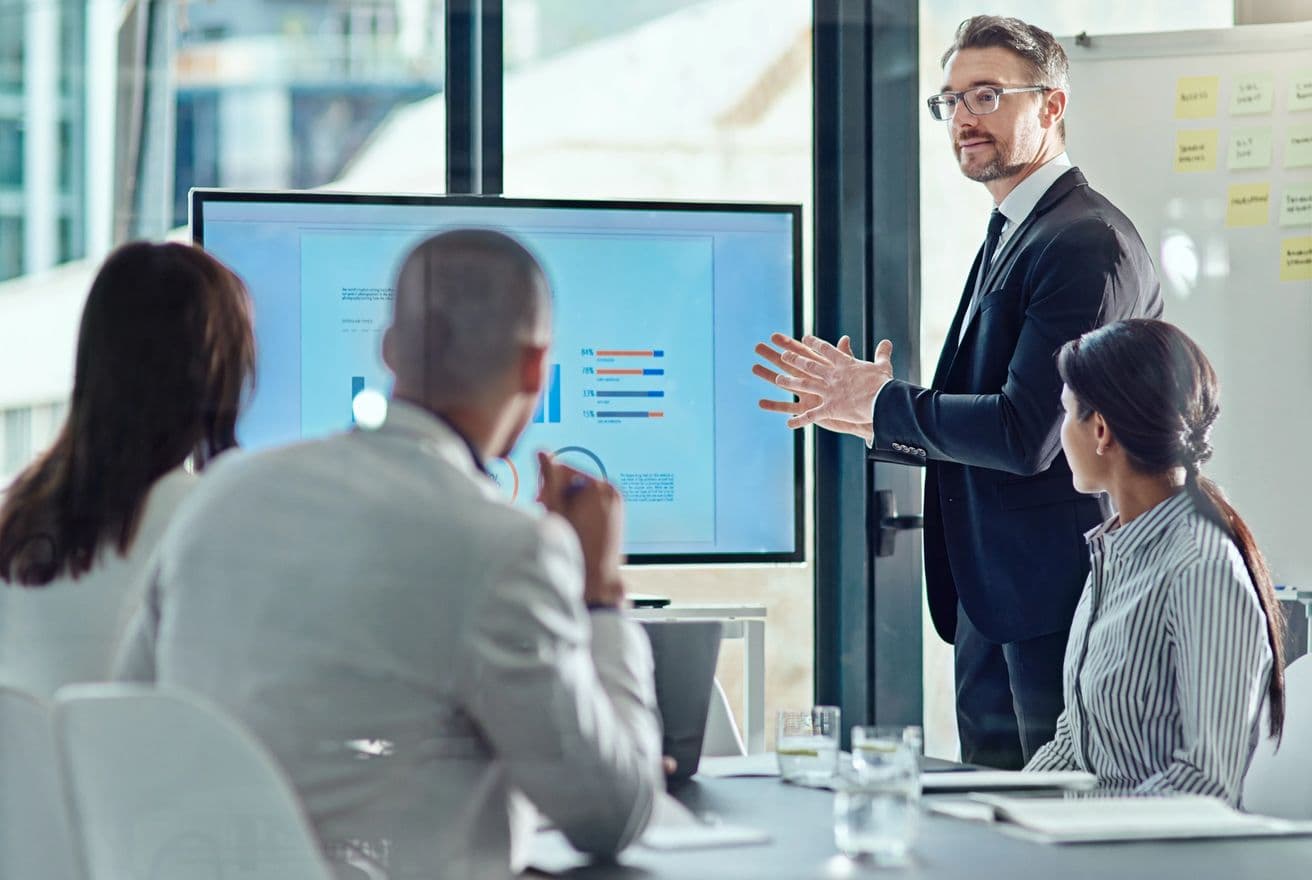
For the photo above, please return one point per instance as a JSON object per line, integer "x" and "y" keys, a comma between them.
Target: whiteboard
{"x": 1185, "y": 132}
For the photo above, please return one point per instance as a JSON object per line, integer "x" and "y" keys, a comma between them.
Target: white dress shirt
{"x": 1168, "y": 664}
{"x": 1021, "y": 201}
{"x": 414, "y": 650}
{"x": 67, "y": 630}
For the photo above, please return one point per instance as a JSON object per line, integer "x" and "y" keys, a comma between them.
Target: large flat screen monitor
{"x": 656, "y": 309}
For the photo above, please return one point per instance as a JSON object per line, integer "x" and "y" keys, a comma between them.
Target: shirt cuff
{"x": 870, "y": 444}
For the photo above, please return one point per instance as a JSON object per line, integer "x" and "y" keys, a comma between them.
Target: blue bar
{"x": 357, "y": 385}
{"x": 623, "y": 415}
{"x": 658, "y": 353}
{"x": 548, "y": 408}
{"x": 630, "y": 393}
{"x": 553, "y": 395}
{"x": 656, "y": 372}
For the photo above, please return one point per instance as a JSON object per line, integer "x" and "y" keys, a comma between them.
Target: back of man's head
{"x": 467, "y": 302}
{"x": 1039, "y": 49}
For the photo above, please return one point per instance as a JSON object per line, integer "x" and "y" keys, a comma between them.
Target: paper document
{"x": 673, "y": 826}
{"x": 1092, "y": 819}
{"x": 763, "y": 764}
{"x": 1004, "y": 780}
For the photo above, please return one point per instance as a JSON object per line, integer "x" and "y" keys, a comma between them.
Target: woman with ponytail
{"x": 1176, "y": 642}
{"x": 164, "y": 353}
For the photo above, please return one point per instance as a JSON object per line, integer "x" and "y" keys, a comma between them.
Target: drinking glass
{"x": 807, "y": 744}
{"x": 877, "y": 806}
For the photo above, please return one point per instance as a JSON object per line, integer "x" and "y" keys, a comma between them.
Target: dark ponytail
{"x": 1159, "y": 396}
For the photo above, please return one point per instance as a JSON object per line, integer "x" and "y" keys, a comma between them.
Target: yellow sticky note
{"x": 1298, "y": 146}
{"x": 1300, "y": 91}
{"x": 1195, "y": 150}
{"x": 1250, "y": 148}
{"x": 1248, "y": 204}
{"x": 1195, "y": 96}
{"x": 1296, "y": 206}
{"x": 1296, "y": 259}
{"x": 1254, "y": 93}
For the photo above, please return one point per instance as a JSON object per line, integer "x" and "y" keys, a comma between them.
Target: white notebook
{"x": 1085, "y": 819}
{"x": 1006, "y": 780}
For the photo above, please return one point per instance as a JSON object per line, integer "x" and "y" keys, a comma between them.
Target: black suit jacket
{"x": 1004, "y": 526}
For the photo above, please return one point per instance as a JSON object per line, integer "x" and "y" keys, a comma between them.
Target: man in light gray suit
{"x": 418, "y": 654}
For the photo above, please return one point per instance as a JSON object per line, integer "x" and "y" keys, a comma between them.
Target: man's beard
{"x": 995, "y": 170}
{"x": 1000, "y": 166}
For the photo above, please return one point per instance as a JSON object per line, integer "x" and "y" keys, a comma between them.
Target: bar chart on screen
{"x": 628, "y": 384}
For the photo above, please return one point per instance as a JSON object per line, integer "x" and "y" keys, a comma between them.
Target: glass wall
{"x": 676, "y": 100}
{"x": 111, "y": 111}
{"x": 954, "y": 213}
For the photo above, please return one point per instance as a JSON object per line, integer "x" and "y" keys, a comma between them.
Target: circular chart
{"x": 582, "y": 459}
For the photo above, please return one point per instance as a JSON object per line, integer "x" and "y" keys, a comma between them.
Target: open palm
{"x": 807, "y": 401}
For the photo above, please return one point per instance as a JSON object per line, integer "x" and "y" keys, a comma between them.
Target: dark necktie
{"x": 996, "y": 221}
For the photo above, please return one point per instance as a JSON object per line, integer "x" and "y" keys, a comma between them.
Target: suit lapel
{"x": 1060, "y": 188}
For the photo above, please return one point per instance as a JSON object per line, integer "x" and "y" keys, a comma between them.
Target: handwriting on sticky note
{"x": 1248, "y": 204}
{"x": 1300, "y": 91}
{"x": 1195, "y": 150}
{"x": 1298, "y": 146}
{"x": 1250, "y": 148}
{"x": 1195, "y": 96}
{"x": 1296, "y": 205}
{"x": 1254, "y": 93}
{"x": 1296, "y": 259}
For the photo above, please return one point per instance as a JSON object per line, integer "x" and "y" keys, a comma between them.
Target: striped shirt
{"x": 1168, "y": 663}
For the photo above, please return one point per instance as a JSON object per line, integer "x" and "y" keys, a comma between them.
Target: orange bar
{"x": 619, "y": 372}
{"x": 624, "y": 353}
{"x": 655, "y": 415}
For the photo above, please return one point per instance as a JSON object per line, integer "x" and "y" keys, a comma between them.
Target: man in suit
{"x": 1005, "y": 558}
{"x": 418, "y": 654}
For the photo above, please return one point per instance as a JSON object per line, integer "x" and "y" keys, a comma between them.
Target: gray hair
{"x": 466, "y": 301}
{"x": 1039, "y": 49}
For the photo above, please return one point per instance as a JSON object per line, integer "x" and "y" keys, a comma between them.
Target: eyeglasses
{"x": 980, "y": 101}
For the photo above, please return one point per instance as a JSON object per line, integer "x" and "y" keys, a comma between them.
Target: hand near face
{"x": 595, "y": 510}
{"x": 834, "y": 388}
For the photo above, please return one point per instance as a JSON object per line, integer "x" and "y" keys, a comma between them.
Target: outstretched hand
{"x": 834, "y": 388}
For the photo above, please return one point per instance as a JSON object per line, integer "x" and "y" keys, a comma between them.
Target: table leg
{"x": 754, "y": 686}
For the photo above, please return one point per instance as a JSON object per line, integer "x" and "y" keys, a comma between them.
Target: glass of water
{"x": 807, "y": 744}
{"x": 877, "y": 806}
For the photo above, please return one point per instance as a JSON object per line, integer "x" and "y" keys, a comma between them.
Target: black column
{"x": 867, "y": 273}
{"x": 474, "y": 75}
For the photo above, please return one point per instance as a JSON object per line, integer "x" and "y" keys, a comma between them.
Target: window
{"x": 249, "y": 93}
{"x": 679, "y": 101}
{"x": 17, "y": 440}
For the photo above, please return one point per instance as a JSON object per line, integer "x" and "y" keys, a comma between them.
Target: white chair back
{"x": 35, "y": 840}
{"x": 166, "y": 787}
{"x": 1279, "y": 782}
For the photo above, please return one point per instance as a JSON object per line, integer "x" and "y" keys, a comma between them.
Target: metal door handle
{"x": 890, "y": 523}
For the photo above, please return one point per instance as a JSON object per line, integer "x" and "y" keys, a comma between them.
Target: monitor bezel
{"x": 199, "y": 196}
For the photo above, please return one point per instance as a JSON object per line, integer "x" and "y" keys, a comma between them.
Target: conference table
{"x": 799, "y": 822}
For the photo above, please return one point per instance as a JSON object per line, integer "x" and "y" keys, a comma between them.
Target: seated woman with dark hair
{"x": 165, "y": 351}
{"x": 1176, "y": 640}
